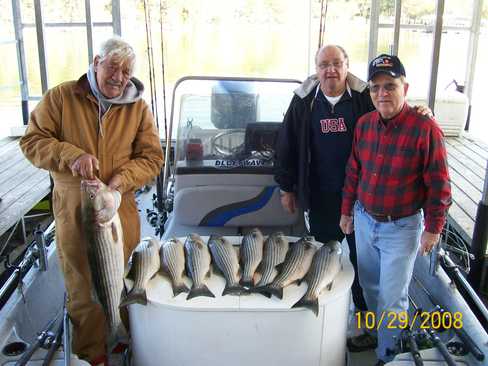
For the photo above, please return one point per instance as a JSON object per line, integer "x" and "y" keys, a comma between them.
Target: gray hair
{"x": 346, "y": 56}
{"x": 120, "y": 50}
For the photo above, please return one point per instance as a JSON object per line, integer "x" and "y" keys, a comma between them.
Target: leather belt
{"x": 389, "y": 218}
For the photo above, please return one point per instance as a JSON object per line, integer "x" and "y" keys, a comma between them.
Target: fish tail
{"x": 199, "y": 291}
{"x": 137, "y": 296}
{"x": 234, "y": 290}
{"x": 179, "y": 288}
{"x": 269, "y": 290}
{"x": 260, "y": 290}
{"x": 246, "y": 282}
{"x": 308, "y": 303}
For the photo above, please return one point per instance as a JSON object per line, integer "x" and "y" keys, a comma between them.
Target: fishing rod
{"x": 37, "y": 250}
{"x": 430, "y": 334}
{"x": 412, "y": 345}
{"x": 40, "y": 340}
{"x": 452, "y": 269}
{"x": 56, "y": 340}
{"x": 150, "y": 57}
{"x": 461, "y": 333}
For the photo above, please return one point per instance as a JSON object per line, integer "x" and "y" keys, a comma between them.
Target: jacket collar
{"x": 310, "y": 85}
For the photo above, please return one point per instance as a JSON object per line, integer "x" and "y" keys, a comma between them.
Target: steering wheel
{"x": 224, "y": 146}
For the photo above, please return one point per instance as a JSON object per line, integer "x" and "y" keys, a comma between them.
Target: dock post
{"x": 480, "y": 238}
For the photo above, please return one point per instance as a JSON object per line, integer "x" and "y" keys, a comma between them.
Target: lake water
{"x": 228, "y": 44}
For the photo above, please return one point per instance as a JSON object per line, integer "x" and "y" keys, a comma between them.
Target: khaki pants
{"x": 89, "y": 324}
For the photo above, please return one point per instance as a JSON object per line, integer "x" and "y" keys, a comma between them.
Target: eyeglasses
{"x": 113, "y": 68}
{"x": 335, "y": 64}
{"x": 389, "y": 87}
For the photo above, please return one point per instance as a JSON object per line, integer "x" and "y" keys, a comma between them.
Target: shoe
{"x": 363, "y": 342}
{"x": 379, "y": 363}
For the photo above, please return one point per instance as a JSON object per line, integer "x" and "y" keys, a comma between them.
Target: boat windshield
{"x": 228, "y": 123}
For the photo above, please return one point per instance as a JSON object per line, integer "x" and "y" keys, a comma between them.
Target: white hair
{"x": 120, "y": 50}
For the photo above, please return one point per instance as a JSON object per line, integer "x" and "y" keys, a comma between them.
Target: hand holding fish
{"x": 84, "y": 166}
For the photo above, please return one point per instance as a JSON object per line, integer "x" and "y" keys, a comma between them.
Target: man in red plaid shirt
{"x": 397, "y": 188}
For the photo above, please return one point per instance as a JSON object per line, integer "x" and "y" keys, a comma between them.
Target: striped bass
{"x": 251, "y": 254}
{"x": 173, "y": 262}
{"x": 105, "y": 251}
{"x": 198, "y": 265}
{"x": 296, "y": 265}
{"x": 145, "y": 264}
{"x": 225, "y": 257}
{"x": 326, "y": 264}
{"x": 275, "y": 249}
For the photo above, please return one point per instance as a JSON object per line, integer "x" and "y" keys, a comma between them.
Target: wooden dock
{"x": 22, "y": 185}
{"x": 467, "y": 164}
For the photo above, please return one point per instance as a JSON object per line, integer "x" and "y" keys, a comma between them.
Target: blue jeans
{"x": 386, "y": 255}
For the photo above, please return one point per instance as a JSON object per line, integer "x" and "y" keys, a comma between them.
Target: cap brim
{"x": 389, "y": 73}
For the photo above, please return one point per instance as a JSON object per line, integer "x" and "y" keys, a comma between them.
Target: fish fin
{"x": 216, "y": 269}
{"x": 134, "y": 297}
{"x": 178, "y": 289}
{"x": 279, "y": 266}
{"x": 209, "y": 272}
{"x": 312, "y": 304}
{"x": 235, "y": 290}
{"x": 259, "y": 268}
{"x": 199, "y": 291}
{"x": 115, "y": 233}
{"x": 329, "y": 286}
{"x": 131, "y": 273}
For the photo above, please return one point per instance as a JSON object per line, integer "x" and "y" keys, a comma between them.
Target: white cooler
{"x": 240, "y": 330}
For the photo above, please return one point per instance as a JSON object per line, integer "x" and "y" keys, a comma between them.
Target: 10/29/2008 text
{"x": 403, "y": 320}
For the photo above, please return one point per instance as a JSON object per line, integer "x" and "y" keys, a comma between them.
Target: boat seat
{"x": 234, "y": 206}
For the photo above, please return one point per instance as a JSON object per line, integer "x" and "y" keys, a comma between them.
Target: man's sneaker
{"x": 362, "y": 343}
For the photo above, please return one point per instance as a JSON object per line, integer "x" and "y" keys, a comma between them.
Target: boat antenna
{"x": 150, "y": 58}
{"x": 323, "y": 16}
{"x": 161, "y": 13}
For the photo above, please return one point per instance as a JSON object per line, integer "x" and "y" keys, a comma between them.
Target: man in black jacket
{"x": 314, "y": 145}
{"x": 313, "y": 148}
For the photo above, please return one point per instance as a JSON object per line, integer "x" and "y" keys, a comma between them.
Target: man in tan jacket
{"x": 97, "y": 126}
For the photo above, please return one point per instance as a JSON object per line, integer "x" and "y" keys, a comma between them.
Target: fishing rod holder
{"x": 40, "y": 250}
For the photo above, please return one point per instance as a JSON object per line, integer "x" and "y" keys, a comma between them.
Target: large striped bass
{"x": 144, "y": 265}
{"x": 325, "y": 266}
{"x": 105, "y": 250}
{"x": 173, "y": 263}
{"x": 275, "y": 248}
{"x": 198, "y": 265}
{"x": 225, "y": 258}
{"x": 296, "y": 265}
{"x": 251, "y": 254}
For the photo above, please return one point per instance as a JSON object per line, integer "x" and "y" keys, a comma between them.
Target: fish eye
{"x": 92, "y": 196}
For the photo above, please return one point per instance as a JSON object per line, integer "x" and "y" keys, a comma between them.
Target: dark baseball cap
{"x": 386, "y": 64}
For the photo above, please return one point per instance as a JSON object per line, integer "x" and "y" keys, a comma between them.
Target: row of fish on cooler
{"x": 273, "y": 262}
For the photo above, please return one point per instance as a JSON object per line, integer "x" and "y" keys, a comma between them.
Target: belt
{"x": 389, "y": 218}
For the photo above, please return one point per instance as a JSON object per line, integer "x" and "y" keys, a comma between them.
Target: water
{"x": 224, "y": 38}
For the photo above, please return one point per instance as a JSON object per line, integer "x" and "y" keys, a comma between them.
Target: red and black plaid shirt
{"x": 399, "y": 167}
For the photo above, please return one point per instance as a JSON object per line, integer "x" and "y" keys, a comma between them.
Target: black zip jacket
{"x": 293, "y": 156}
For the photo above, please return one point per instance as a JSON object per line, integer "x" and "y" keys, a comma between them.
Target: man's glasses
{"x": 335, "y": 64}
{"x": 389, "y": 87}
